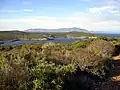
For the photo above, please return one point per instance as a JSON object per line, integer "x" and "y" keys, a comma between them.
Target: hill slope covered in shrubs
{"x": 77, "y": 66}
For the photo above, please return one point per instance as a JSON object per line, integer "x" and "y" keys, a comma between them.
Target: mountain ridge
{"x": 57, "y": 30}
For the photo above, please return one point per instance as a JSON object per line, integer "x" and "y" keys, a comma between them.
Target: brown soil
{"x": 116, "y": 78}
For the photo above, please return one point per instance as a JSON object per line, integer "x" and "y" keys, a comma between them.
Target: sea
{"x": 55, "y": 40}
{"x": 108, "y": 35}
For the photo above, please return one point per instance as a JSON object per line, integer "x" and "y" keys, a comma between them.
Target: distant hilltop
{"x": 57, "y": 30}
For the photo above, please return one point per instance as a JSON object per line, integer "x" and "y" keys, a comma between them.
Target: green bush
{"x": 49, "y": 76}
{"x": 80, "y": 44}
{"x": 102, "y": 38}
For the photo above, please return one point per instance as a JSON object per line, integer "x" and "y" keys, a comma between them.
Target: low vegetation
{"x": 82, "y": 65}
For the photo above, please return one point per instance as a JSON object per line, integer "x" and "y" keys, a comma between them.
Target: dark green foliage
{"x": 49, "y": 76}
{"x": 102, "y": 38}
{"x": 80, "y": 44}
{"x": 113, "y": 40}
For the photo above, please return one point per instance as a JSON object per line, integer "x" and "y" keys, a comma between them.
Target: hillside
{"x": 78, "y": 34}
{"x": 11, "y": 35}
{"x": 19, "y": 35}
{"x": 55, "y": 66}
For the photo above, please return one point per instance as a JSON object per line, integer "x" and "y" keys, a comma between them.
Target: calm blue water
{"x": 107, "y": 35}
{"x": 56, "y": 40}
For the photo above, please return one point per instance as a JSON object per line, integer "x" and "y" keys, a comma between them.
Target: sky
{"x": 93, "y": 15}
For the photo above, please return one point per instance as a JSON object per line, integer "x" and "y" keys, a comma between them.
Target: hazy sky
{"x": 96, "y": 15}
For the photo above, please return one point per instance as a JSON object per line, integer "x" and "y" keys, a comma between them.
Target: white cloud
{"x": 27, "y": 10}
{"x": 105, "y": 17}
{"x": 115, "y": 11}
{"x": 9, "y": 11}
{"x": 108, "y": 25}
{"x": 103, "y": 9}
{"x": 106, "y": 6}
{"x": 81, "y": 20}
{"x": 14, "y": 11}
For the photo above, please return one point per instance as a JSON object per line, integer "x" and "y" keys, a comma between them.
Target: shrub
{"x": 102, "y": 38}
{"x": 101, "y": 48}
{"x": 50, "y": 66}
{"x": 48, "y": 76}
{"x": 79, "y": 44}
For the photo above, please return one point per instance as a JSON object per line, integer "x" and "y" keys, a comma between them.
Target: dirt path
{"x": 116, "y": 57}
{"x": 114, "y": 83}
{"x": 116, "y": 69}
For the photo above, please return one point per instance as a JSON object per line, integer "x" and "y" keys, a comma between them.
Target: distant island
{"x": 57, "y": 30}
